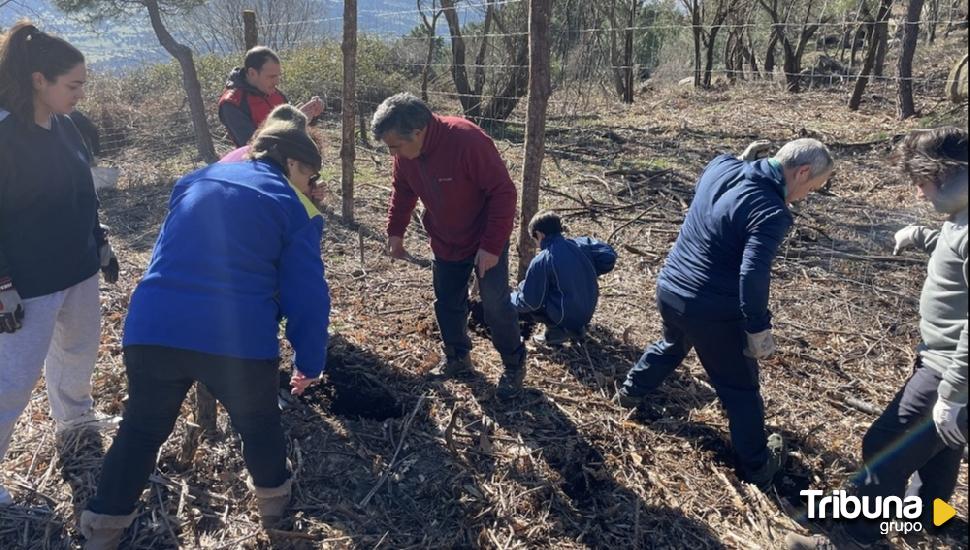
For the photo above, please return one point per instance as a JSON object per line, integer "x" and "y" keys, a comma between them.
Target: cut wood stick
{"x": 392, "y": 463}
{"x": 863, "y": 406}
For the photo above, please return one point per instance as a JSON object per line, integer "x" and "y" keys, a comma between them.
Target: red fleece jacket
{"x": 466, "y": 190}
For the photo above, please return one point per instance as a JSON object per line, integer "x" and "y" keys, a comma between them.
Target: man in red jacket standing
{"x": 469, "y": 199}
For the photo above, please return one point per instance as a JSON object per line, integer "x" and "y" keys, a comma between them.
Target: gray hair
{"x": 806, "y": 152}
{"x": 402, "y": 114}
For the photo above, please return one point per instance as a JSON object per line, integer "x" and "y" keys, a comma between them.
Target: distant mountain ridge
{"x": 115, "y": 44}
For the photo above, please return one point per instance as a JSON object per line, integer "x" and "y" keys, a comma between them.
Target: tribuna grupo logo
{"x": 899, "y": 515}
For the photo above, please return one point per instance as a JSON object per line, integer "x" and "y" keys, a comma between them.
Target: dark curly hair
{"x": 931, "y": 155}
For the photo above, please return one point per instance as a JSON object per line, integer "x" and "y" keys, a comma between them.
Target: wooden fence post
{"x": 535, "y": 131}
{"x": 348, "y": 148}
{"x": 250, "y": 34}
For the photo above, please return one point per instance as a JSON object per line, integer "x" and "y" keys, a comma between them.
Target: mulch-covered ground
{"x": 388, "y": 456}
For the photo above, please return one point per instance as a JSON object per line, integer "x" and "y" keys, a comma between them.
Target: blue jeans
{"x": 451, "y": 308}
{"x": 158, "y": 379}
{"x": 720, "y": 345}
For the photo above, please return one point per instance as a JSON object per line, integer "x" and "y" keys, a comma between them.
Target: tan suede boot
{"x": 272, "y": 502}
{"x": 103, "y": 532}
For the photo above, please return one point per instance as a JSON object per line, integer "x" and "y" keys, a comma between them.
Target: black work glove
{"x": 11, "y": 307}
{"x": 109, "y": 263}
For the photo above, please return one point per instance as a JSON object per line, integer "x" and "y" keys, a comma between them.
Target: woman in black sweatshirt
{"x": 51, "y": 242}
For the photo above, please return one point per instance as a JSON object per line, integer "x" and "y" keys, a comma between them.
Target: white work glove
{"x": 11, "y": 307}
{"x": 905, "y": 238}
{"x": 756, "y": 150}
{"x": 761, "y": 345}
{"x": 946, "y": 417}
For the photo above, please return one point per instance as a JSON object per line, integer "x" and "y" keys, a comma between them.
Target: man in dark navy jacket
{"x": 560, "y": 288}
{"x": 712, "y": 292}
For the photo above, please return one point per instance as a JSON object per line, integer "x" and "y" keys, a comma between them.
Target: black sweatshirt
{"x": 49, "y": 230}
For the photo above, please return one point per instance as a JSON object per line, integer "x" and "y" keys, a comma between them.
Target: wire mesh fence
{"x": 604, "y": 55}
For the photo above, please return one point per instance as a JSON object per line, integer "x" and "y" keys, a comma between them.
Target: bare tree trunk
{"x": 628, "y": 53}
{"x": 507, "y": 97}
{"x": 934, "y": 21}
{"x": 953, "y": 4}
{"x": 709, "y": 44}
{"x": 479, "y": 72}
{"x": 348, "y": 150}
{"x": 617, "y": 69}
{"x": 206, "y": 412}
{"x": 770, "y": 56}
{"x": 470, "y": 103}
{"x": 430, "y": 27}
{"x": 695, "y": 15}
{"x": 845, "y": 38}
{"x": 904, "y": 93}
{"x": 190, "y": 82}
{"x": 539, "y": 92}
{"x": 752, "y": 60}
{"x": 860, "y": 85}
{"x": 882, "y": 39}
{"x": 862, "y": 32}
{"x": 729, "y": 56}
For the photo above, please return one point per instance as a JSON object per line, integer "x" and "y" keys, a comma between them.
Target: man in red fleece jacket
{"x": 469, "y": 199}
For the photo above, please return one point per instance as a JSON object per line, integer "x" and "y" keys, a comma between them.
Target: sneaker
{"x": 840, "y": 540}
{"x": 5, "y": 498}
{"x": 552, "y": 336}
{"x": 452, "y": 367}
{"x": 764, "y": 477}
{"x": 93, "y": 419}
{"x": 627, "y": 400}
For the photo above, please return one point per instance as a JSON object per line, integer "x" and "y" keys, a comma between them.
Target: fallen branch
{"x": 392, "y": 463}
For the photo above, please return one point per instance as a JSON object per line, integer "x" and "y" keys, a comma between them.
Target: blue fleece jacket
{"x": 720, "y": 264}
{"x": 561, "y": 280}
{"x": 240, "y": 249}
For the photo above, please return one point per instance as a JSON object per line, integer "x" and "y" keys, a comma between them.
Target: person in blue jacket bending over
{"x": 560, "y": 288}
{"x": 239, "y": 250}
{"x": 712, "y": 292}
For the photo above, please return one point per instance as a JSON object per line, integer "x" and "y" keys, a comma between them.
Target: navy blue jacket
{"x": 561, "y": 280}
{"x": 239, "y": 249}
{"x": 49, "y": 229}
{"x": 721, "y": 262}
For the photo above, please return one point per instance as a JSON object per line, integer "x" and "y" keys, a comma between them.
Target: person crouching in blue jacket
{"x": 560, "y": 288}
{"x": 239, "y": 250}
{"x": 712, "y": 292}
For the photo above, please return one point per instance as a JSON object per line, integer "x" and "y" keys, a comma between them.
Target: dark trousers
{"x": 451, "y": 307}
{"x": 158, "y": 379}
{"x": 902, "y": 442}
{"x": 720, "y": 347}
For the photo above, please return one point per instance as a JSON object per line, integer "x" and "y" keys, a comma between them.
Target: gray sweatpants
{"x": 61, "y": 333}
